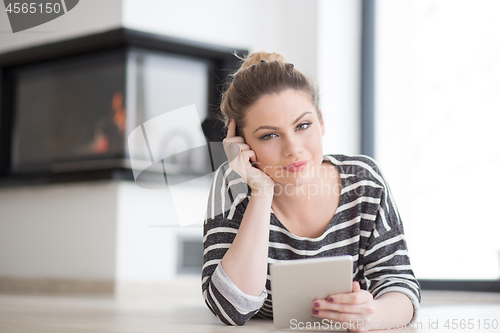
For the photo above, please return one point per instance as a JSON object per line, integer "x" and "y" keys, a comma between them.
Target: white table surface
{"x": 54, "y": 314}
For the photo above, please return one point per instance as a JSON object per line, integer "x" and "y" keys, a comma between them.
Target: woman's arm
{"x": 393, "y": 293}
{"x": 393, "y": 308}
{"x": 227, "y": 207}
{"x": 236, "y": 235}
{"x": 245, "y": 263}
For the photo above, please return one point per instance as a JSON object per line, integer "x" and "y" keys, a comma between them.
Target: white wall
{"x": 62, "y": 231}
{"x": 148, "y": 230}
{"x": 103, "y": 230}
{"x": 297, "y": 34}
{"x": 285, "y": 26}
{"x": 88, "y": 16}
{"x": 339, "y": 59}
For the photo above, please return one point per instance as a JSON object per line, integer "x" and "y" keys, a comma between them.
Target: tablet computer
{"x": 295, "y": 284}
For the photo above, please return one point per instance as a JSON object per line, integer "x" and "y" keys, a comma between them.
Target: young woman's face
{"x": 285, "y": 133}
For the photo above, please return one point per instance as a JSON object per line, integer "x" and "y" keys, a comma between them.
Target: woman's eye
{"x": 303, "y": 126}
{"x": 268, "y": 136}
{"x": 300, "y": 127}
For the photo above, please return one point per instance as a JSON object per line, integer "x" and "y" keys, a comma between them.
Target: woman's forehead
{"x": 285, "y": 106}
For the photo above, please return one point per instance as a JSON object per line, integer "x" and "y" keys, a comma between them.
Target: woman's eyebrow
{"x": 276, "y": 128}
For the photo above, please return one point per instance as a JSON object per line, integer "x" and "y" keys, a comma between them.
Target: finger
{"x": 227, "y": 144}
{"x": 231, "y": 129}
{"x": 234, "y": 139}
{"x": 233, "y": 149}
{"x": 358, "y": 297}
{"x": 243, "y": 146}
{"x": 340, "y": 316}
{"x": 365, "y": 308}
{"x": 355, "y": 288}
{"x": 250, "y": 155}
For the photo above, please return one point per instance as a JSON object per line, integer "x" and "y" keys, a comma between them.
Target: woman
{"x": 279, "y": 198}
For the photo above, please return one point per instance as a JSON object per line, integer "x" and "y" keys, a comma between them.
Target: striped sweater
{"x": 366, "y": 226}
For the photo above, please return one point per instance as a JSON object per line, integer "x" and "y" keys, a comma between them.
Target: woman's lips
{"x": 296, "y": 167}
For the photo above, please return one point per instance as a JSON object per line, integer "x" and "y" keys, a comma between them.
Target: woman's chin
{"x": 292, "y": 183}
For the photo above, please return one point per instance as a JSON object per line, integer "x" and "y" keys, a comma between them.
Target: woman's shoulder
{"x": 228, "y": 182}
{"x": 346, "y": 159}
{"x": 225, "y": 176}
{"x": 229, "y": 193}
{"x": 362, "y": 167}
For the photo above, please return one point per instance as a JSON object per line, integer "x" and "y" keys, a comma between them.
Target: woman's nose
{"x": 292, "y": 146}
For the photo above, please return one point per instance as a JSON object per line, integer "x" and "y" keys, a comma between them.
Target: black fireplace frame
{"x": 117, "y": 39}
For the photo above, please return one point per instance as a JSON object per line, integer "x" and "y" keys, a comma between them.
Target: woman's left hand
{"x": 354, "y": 310}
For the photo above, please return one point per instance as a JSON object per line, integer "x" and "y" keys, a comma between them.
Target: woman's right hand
{"x": 242, "y": 160}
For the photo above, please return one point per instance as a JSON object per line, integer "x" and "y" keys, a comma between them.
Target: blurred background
{"x": 415, "y": 84}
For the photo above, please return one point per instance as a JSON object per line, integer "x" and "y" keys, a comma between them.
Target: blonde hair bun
{"x": 262, "y": 56}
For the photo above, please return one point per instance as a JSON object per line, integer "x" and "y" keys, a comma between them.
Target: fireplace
{"x": 67, "y": 108}
{"x": 69, "y": 115}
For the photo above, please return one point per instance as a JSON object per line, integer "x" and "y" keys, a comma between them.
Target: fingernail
{"x": 330, "y": 299}
{"x": 315, "y": 312}
{"x": 316, "y": 304}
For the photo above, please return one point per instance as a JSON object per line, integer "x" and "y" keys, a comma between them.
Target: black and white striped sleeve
{"x": 385, "y": 261}
{"x": 227, "y": 203}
